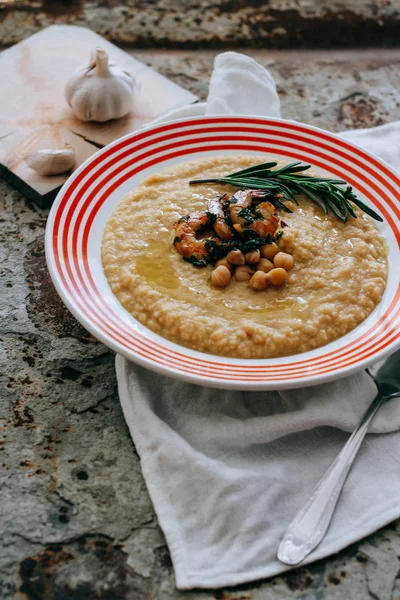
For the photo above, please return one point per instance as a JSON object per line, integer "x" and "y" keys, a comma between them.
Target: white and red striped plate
{"x": 76, "y": 223}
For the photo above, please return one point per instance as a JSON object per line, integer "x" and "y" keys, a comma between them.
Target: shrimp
{"x": 185, "y": 241}
{"x": 221, "y": 228}
{"x": 269, "y": 223}
{"x": 243, "y": 200}
{"x": 266, "y": 209}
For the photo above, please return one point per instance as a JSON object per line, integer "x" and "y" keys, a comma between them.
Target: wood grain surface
{"x": 35, "y": 115}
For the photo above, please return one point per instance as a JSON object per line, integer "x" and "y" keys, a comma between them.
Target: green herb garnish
{"x": 250, "y": 215}
{"x": 288, "y": 181}
{"x": 196, "y": 262}
{"x": 212, "y": 217}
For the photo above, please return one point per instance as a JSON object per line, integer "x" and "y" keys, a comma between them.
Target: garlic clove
{"x": 51, "y": 162}
{"x": 101, "y": 90}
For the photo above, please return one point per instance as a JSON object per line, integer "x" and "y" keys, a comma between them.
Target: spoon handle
{"x": 311, "y": 523}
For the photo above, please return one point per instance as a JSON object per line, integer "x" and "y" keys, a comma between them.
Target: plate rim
{"x": 168, "y": 370}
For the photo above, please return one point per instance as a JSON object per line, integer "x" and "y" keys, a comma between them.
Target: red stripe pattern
{"x": 78, "y": 216}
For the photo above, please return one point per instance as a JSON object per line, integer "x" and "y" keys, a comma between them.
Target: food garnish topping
{"x": 286, "y": 182}
{"x": 244, "y": 228}
{"x": 238, "y": 235}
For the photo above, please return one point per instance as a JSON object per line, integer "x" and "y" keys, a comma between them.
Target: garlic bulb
{"x": 100, "y": 91}
{"x": 51, "y": 162}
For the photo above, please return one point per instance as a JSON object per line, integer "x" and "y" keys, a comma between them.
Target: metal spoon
{"x": 311, "y": 523}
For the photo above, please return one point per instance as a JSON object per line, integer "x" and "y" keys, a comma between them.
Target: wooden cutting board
{"x": 34, "y": 113}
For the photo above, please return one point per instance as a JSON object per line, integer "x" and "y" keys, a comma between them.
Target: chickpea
{"x": 265, "y": 265}
{"x": 284, "y": 260}
{"x": 269, "y": 250}
{"x": 259, "y": 281}
{"x": 276, "y": 276}
{"x": 224, "y": 262}
{"x": 243, "y": 273}
{"x": 235, "y": 257}
{"x": 221, "y": 276}
{"x": 252, "y": 257}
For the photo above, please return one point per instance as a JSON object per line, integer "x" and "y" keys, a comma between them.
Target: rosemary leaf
{"x": 336, "y": 209}
{"x": 366, "y": 209}
{"x": 312, "y": 197}
{"x": 289, "y": 181}
{"x": 261, "y": 167}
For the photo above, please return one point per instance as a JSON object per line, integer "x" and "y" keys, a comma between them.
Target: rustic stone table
{"x": 76, "y": 521}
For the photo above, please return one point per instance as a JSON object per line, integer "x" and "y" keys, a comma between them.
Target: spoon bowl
{"x": 311, "y": 523}
{"x": 387, "y": 378}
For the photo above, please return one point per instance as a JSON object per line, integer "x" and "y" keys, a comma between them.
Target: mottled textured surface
{"x": 217, "y": 23}
{"x": 76, "y": 521}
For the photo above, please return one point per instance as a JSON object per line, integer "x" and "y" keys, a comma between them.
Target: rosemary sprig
{"x": 289, "y": 181}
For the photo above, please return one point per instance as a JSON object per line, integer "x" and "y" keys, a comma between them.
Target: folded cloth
{"x": 238, "y": 86}
{"x": 228, "y": 470}
{"x": 238, "y": 82}
{"x": 383, "y": 141}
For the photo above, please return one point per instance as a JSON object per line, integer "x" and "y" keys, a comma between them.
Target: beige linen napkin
{"x": 228, "y": 470}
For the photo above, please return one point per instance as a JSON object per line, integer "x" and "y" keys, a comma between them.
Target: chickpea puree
{"x": 337, "y": 278}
